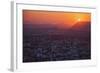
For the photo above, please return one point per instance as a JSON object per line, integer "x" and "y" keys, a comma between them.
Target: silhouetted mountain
{"x": 81, "y": 26}
{"x": 77, "y": 29}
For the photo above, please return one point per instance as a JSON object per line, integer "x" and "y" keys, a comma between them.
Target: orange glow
{"x": 59, "y": 19}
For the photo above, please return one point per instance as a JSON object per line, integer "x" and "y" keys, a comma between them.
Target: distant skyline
{"x": 56, "y": 19}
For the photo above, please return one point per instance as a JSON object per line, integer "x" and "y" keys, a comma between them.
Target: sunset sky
{"x": 59, "y": 19}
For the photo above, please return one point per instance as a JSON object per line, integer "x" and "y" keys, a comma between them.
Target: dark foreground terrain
{"x": 56, "y": 47}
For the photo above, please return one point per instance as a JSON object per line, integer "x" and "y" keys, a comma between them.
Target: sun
{"x": 79, "y": 20}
